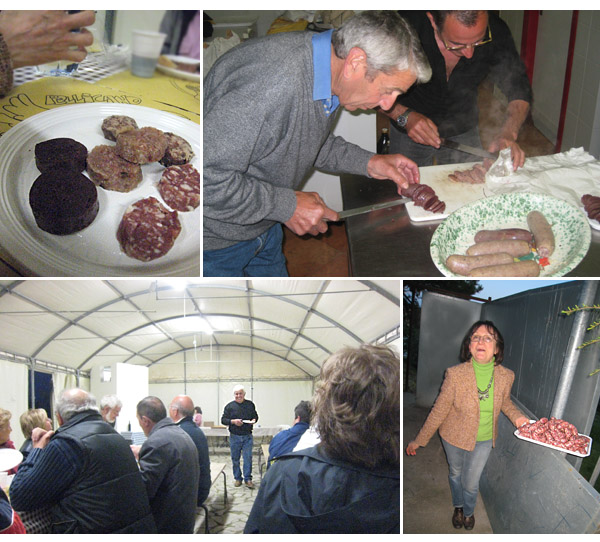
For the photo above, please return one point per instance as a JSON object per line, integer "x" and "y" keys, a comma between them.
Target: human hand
{"x": 311, "y": 214}
{"x": 423, "y": 130}
{"x": 135, "y": 449}
{"x": 237, "y": 422}
{"x": 411, "y": 449}
{"x": 517, "y": 154}
{"x": 40, "y": 437}
{"x": 37, "y": 37}
{"x": 396, "y": 167}
{"x": 521, "y": 420}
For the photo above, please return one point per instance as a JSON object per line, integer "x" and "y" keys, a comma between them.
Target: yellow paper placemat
{"x": 176, "y": 96}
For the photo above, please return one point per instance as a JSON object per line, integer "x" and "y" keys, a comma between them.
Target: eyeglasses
{"x": 487, "y": 339}
{"x": 483, "y": 41}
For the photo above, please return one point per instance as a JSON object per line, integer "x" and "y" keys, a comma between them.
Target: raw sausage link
{"x": 501, "y": 235}
{"x": 557, "y": 433}
{"x": 464, "y": 264}
{"x": 542, "y": 233}
{"x": 515, "y": 248}
{"x": 527, "y": 268}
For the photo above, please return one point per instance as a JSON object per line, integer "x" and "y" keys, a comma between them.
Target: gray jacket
{"x": 170, "y": 470}
{"x": 263, "y": 133}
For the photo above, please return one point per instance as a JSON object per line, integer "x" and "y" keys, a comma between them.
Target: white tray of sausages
{"x": 564, "y": 450}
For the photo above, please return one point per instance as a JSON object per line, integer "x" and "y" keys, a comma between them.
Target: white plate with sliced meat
{"x": 94, "y": 251}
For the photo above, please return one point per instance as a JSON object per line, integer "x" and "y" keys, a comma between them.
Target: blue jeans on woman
{"x": 241, "y": 445}
{"x": 465, "y": 471}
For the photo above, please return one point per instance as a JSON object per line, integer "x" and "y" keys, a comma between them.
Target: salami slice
{"x": 148, "y": 230}
{"x": 179, "y": 186}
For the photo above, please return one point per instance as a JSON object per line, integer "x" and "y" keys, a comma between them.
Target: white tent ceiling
{"x": 197, "y": 329}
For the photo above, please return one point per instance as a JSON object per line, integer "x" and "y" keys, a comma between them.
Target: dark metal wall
{"x": 444, "y": 322}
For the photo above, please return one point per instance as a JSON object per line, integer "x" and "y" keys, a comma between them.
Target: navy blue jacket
{"x": 285, "y": 441}
{"x": 199, "y": 438}
{"x": 309, "y": 492}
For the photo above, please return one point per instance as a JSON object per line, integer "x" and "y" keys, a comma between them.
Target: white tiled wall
{"x": 582, "y": 126}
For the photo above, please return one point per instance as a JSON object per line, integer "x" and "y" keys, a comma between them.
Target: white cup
{"x": 3, "y": 480}
{"x": 145, "y": 50}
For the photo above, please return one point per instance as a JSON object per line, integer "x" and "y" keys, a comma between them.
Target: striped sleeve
{"x": 46, "y": 474}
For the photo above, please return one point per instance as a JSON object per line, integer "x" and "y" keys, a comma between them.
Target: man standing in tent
{"x": 240, "y": 415}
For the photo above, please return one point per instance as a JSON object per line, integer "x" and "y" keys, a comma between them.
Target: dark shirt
{"x": 199, "y": 438}
{"x": 452, "y": 104}
{"x": 243, "y": 411}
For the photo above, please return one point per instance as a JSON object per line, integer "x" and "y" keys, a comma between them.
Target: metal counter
{"x": 386, "y": 243}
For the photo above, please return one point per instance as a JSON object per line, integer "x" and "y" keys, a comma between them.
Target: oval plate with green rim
{"x": 570, "y": 226}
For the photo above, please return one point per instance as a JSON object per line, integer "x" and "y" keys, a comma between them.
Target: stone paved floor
{"x": 228, "y": 518}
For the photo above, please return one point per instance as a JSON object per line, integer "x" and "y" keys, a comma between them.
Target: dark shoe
{"x": 249, "y": 484}
{"x": 237, "y": 483}
{"x": 469, "y": 522}
{"x": 458, "y": 518}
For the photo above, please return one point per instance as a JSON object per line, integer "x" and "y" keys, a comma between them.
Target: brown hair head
{"x": 465, "y": 352}
{"x": 356, "y": 408}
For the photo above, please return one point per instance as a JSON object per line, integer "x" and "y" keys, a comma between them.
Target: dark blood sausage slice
{"x": 424, "y": 196}
{"x": 591, "y": 204}
{"x": 60, "y": 153}
{"x": 178, "y": 152}
{"x": 63, "y": 202}
{"x": 179, "y": 186}
{"x": 148, "y": 230}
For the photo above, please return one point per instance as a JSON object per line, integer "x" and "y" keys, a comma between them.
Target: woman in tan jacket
{"x": 466, "y": 413}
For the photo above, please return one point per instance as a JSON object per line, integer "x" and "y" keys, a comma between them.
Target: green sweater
{"x": 483, "y": 373}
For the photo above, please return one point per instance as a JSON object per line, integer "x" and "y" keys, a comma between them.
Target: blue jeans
{"x": 465, "y": 472}
{"x": 423, "y": 155}
{"x": 241, "y": 445}
{"x": 260, "y": 257}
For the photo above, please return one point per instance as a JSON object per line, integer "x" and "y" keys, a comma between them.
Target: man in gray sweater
{"x": 269, "y": 106}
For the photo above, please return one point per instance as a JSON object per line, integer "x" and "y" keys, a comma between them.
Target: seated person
{"x": 284, "y": 441}
{"x": 5, "y": 431}
{"x": 350, "y": 481}
{"x": 10, "y": 522}
{"x": 29, "y": 420}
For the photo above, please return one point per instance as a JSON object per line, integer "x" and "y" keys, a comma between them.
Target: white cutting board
{"x": 454, "y": 195}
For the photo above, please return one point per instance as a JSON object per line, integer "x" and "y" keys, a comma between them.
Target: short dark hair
{"x": 356, "y": 407}
{"x": 153, "y": 408}
{"x": 465, "y": 352}
{"x": 466, "y": 18}
{"x": 304, "y": 410}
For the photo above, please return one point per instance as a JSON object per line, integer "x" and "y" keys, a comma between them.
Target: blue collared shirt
{"x": 322, "y": 72}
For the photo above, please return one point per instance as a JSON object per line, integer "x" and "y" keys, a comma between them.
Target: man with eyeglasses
{"x": 463, "y": 48}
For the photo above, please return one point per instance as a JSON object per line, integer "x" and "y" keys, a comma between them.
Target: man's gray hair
{"x": 110, "y": 401}
{"x": 73, "y": 401}
{"x": 388, "y": 40}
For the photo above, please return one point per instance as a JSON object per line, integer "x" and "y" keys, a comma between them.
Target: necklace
{"x": 485, "y": 394}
